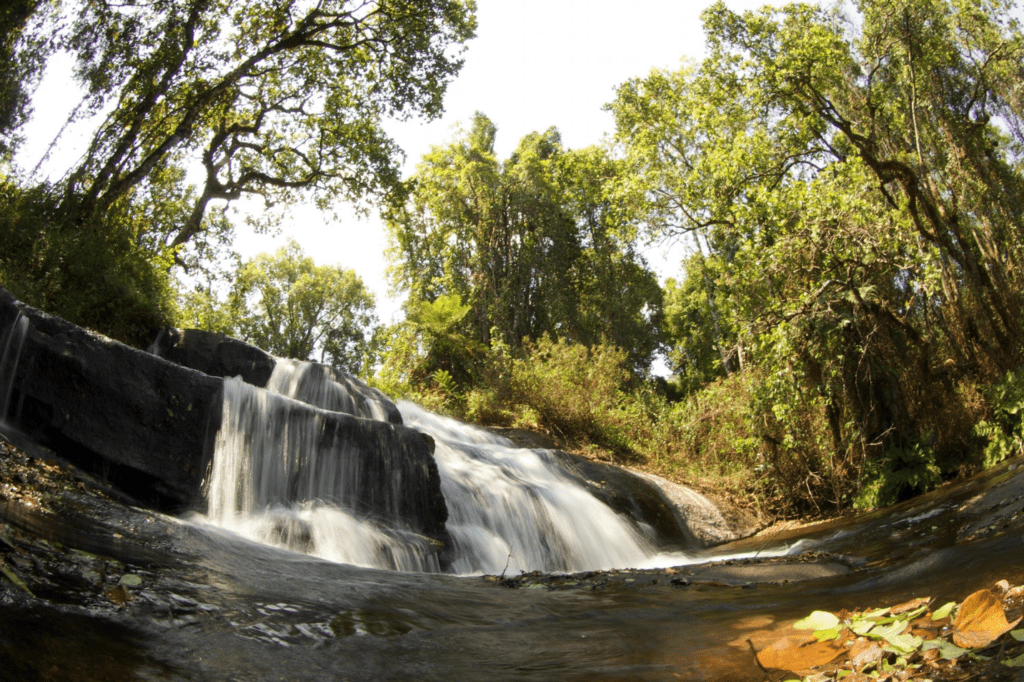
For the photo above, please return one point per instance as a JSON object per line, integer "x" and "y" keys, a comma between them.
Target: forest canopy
{"x": 844, "y": 329}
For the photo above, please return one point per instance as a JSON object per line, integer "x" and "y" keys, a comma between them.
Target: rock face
{"x": 710, "y": 522}
{"x": 150, "y": 426}
{"x": 143, "y": 423}
{"x": 312, "y": 383}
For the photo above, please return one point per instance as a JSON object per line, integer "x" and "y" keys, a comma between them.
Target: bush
{"x": 1004, "y": 432}
{"x": 98, "y": 277}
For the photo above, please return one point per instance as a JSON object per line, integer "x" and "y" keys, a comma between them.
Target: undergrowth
{"x": 754, "y": 440}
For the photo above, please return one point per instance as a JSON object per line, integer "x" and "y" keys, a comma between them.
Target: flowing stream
{"x": 10, "y": 350}
{"x": 510, "y": 509}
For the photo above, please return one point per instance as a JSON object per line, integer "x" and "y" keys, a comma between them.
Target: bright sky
{"x": 534, "y": 64}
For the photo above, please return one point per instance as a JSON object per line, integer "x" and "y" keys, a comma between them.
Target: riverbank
{"x": 139, "y": 594}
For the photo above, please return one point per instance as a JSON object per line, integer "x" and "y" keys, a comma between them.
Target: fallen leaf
{"x": 909, "y": 605}
{"x": 818, "y": 620}
{"x": 1017, "y": 662}
{"x": 799, "y": 654}
{"x": 119, "y": 595}
{"x": 943, "y": 611}
{"x": 980, "y": 621}
{"x": 1018, "y": 635}
{"x": 864, "y": 652}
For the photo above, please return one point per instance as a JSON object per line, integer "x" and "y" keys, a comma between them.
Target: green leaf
{"x": 911, "y": 615}
{"x": 1018, "y": 634}
{"x": 947, "y": 650}
{"x": 818, "y": 620}
{"x": 862, "y": 627}
{"x": 829, "y": 634}
{"x": 1017, "y": 662}
{"x": 943, "y": 611}
{"x": 904, "y": 644}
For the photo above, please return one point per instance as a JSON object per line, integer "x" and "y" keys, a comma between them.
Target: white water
{"x": 509, "y": 509}
{"x": 10, "y": 351}
{"x": 328, "y": 388}
{"x": 513, "y": 506}
{"x": 275, "y": 481}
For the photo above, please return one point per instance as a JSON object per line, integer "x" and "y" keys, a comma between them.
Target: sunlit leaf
{"x": 819, "y": 620}
{"x": 943, "y": 611}
{"x": 799, "y": 654}
{"x": 829, "y": 634}
{"x": 862, "y": 627}
{"x": 980, "y": 620}
{"x": 1018, "y": 635}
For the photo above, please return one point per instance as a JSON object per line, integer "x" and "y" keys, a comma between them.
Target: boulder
{"x": 144, "y": 424}
{"x": 711, "y": 522}
{"x": 633, "y": 496}
{"x": 214, "y": 354}
{"x": 313, "y": 383}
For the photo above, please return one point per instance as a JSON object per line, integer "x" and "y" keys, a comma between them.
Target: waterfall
{"x": 276, "y": 478}
{"x": 10, "y": 351}
{"x": 330, "y": 389}
{"x": 513, "y": 509}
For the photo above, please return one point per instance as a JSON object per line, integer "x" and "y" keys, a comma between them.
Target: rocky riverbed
{"x": 94, "y": 587}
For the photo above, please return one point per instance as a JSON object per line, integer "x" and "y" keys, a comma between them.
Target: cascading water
{"x": 10, "y": 351}
{"x": 329, "y": 389}
{"x": 513, "y": 509}
{"x": 278, "y": 480}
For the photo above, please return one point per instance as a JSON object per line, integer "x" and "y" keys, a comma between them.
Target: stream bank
{"x": 129, "y": 593}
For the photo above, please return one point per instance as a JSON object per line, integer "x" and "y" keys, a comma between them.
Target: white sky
{"x": 534, "y": 64}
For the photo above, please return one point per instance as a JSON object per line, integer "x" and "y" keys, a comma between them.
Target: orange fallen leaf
{"x": 909, "y": 605}
{"x": 119, "y": 595}
{"x": 980, "y": 621}
{"x": 799, "y": 653}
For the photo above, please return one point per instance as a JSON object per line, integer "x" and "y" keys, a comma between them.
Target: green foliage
{"x": 533, "y": 245}
{"x": 96, "y": 276}
{"x": 699, "y": 340}
{"x": 430, "y": 343}
{"x": 288, "y": 305}
{"x": 1005, "y": 431}
{"x": 856, "y": 225}
{"x": 294, "y": 106}
{"x": 898, "y": 475}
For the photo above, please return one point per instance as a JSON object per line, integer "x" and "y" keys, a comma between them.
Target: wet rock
{"x": 310, "y": 382}
{"x": 710, "y": 521}
{"x": 632, "y": 495}
{"x": 214, "y": 354}
{"x": 143, "y": 423}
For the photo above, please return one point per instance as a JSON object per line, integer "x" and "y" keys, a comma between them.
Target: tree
{"x": 531, "y": 244}
{"x": 23, "y": 52}
{"x": 287, "y": 305}
{"x": 273, "y": 98}
{"x": 852, "y": 187}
